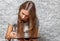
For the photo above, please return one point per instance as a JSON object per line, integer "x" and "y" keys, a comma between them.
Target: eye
{"x": 23, "y": 13}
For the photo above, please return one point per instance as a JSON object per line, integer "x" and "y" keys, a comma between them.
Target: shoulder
{"x": 13, "y": 20}
{"x": 37, "y": 22}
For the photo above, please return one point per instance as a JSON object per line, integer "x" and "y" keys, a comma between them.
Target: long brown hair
{"x": 30, "y": 6}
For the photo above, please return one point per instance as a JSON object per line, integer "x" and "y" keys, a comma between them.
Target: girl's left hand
{"x": 13, "y": 34}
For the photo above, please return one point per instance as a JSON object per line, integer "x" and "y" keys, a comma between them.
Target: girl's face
{"x": 24, "y": 14}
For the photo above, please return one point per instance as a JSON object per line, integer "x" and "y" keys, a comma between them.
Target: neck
{"x": 25, "y": 21}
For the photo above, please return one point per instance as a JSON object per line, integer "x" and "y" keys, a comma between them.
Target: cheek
{"x": 21, "y": 15}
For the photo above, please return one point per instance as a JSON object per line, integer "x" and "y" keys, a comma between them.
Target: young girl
{"x": 26, "y": 23}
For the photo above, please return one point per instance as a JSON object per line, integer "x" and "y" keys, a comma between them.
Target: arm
{"x": 36, "y": 34}
{"x": 36, "y": 28}
{"x": 9, "y": 29}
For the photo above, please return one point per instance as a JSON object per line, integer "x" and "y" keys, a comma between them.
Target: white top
{"x": 25, "y": 29}
{"x": 13, "y": 20}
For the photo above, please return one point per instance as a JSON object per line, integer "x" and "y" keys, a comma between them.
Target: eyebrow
{"x": 24, "y": 14}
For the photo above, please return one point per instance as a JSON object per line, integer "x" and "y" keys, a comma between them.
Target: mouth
{"x": 24, "y": 21}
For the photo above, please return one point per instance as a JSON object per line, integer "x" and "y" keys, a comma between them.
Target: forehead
{"x": 26, "y": 12}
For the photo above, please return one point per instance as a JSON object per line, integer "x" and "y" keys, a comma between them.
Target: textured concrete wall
{"x": 48, "y": 13}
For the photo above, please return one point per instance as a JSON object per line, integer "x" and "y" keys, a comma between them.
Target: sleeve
{"x": 37, "y": 22}
{"x": 12, "y": 20}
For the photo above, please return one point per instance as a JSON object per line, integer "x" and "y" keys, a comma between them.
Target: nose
{"x": 23, "y": 16}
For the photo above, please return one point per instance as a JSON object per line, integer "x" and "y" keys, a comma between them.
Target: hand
{"x": 7, "y": 36}
{"x": 13, "y": 34}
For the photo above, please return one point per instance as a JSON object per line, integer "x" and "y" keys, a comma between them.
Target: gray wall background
{"x": 48, "y": 13}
